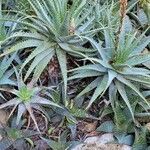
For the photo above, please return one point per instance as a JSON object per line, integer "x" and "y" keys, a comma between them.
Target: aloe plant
{"x": 5, "y": 63}
{"x": 22, "y": 5}
{"x": 115, "y": 58}
{"x": 27, "y": 98}
{"x": 71, "y": 111}
{"x": 145, "y": 4}
{"x": 118, "y": 65}
{"x": 5, "y": 72}
{"x": 15, "y": 137}
{"x": 122, "y": 126}
{"x": 138, "y": 142}
{"x": 55, "y": 29}
{"x": 62, "y": 142}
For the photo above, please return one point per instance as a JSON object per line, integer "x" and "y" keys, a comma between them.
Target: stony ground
{"x": 103, "y": 142}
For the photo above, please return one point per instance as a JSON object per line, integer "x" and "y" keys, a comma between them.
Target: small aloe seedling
{"x": 62, "y": 142}
{"x": 25, "y": 94}
{"x": 26, "y": 99}
{"x": 15, "y": 137}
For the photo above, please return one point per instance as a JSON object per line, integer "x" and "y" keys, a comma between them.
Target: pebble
{"x": 103, "y": 142}
{"x": 3, "y": 119}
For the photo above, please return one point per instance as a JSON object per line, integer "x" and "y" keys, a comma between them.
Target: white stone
{"x": 91, "y": 140}
{"x": 1, "y": 137}
{"x": 106, "y": 138}
{"x": 126, "y": 147}
{"x": 100, "y": 143}
{"x": 78, "y": 147}
{"x": 3, "y": 117}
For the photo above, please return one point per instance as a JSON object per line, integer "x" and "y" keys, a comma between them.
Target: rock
{"x": 3, "y": 117}
{"x": 1, "y": 137}
{"x": 92, "y": 140}
{"x": 148, "y": 126}
{"x": 78, "y": 147}
{"x": 106, "y": 138}
{"x": 101, "y": 143}
{"x": 126, "y": 147}
{"x": 102, "y": 147}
